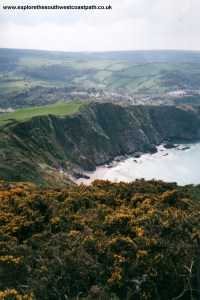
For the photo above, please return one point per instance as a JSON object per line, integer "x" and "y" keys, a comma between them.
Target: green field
{"x": 61, "y": 109}
{"x": 139, "y": 74}
{"x": 134, "y": 78}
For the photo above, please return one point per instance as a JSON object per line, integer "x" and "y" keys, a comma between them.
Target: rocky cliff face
{"x": 37, "y": 149}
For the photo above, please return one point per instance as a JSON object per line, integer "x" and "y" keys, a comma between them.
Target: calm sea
{"x": 173, "y": 165}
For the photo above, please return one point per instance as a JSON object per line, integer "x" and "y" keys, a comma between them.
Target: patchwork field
{"x": 138, "y": 74}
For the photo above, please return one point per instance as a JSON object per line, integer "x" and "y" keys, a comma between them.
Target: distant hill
{"x": 49, "y": 148}
{"x": 136, "y": 56}
{"x": 31, "y": 77}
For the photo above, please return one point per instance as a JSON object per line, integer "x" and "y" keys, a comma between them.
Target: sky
{"x": 129, "y": 25}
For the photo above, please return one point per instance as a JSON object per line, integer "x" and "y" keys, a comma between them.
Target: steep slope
{"x": 37, "y": 149}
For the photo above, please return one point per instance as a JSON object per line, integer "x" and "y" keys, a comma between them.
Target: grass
{"x": 117, "y": 66}
{"x": 5, "y": 89}
{"x": 59, "y": 109}
{"x": 102, "y": 75}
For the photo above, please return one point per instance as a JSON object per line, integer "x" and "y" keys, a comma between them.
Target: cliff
{"x": 41, "y": 148}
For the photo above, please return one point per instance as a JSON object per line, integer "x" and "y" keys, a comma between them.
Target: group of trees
{"x": 104, "y": 241}
{"x": 56, "y": 72}
{"x": 180, "y": 80}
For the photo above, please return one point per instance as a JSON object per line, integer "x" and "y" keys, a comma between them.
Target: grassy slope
{"x": 61, "y": 109}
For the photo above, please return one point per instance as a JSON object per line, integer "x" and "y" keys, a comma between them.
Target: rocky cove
{"x": 179, "y": 164}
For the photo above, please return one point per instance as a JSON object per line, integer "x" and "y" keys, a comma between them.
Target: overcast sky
{"x": 130, "y": 25}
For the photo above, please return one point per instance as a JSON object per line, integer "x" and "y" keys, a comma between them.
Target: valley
{"x": 31, "y": 78}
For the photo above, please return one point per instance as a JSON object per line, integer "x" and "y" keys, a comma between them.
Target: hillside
{"x": 30, "y": 78}
{"x": 115, "y": 241}
{"x": 49, "y": 148}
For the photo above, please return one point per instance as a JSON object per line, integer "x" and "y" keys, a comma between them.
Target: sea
{"x": 180, "y": 164}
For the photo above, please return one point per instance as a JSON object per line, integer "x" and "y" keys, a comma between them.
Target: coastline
{"x": 101, "y": 170}
{"x": 118, "y": 165}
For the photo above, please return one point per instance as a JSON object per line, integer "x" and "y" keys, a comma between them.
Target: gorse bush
{"x": 108, "y": 240}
